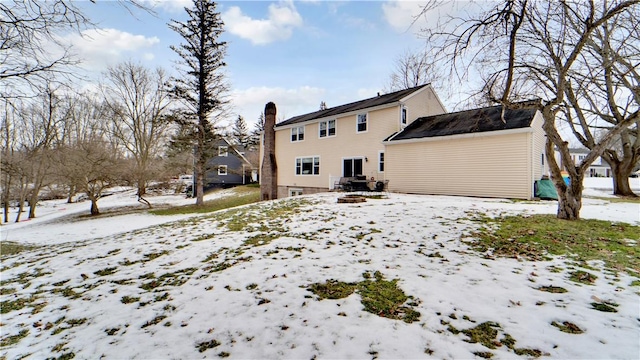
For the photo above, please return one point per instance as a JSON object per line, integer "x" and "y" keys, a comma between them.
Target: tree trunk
{"x": 72, "y": 193}
{"x": 94, "y": 206}
{"x": 33, "y": 202}
{"x": 621, "y": 185}
{"x": 200, "y": 166}
{"x": 570, "y": 199}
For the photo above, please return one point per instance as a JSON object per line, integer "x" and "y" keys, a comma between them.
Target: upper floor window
{"x": 403, "y": 115}
{"x": 297, "y": 133}
{"x": 362, "y": 123}
{"x": 222, "y": 170}
{"x": 308, "y": 166}
{"x": 223, "y": 150}
{"x": 327, "y": 128}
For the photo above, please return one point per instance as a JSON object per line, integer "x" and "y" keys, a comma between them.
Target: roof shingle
{"x": 466, "y": 122}
{"x": 354, "y": 106}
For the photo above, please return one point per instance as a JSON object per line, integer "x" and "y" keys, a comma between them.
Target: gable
{"x": 466, "y": 122}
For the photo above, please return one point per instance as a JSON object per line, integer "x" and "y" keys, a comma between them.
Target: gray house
{"x": 228, "y": 166}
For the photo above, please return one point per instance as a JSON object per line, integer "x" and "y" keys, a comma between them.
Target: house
{"x": 407, "y": 138}
{"x": 470, "y": 153}
{"x": 228, "y": 166}
{"x": 314, "y": 150}
{"x": 598, "y": 168}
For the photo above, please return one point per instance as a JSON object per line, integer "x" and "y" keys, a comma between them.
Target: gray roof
{"x": 384, "y": 99}
{"x": 466, "y": 122}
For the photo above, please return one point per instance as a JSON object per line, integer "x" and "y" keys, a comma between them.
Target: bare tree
{"x": 137, "y": 103}
{"x": 202, "y": 88}
{"x": 532, "y": 49}
{"x": 411, "y": 69}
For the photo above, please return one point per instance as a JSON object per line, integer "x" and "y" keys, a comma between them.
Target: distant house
{"x": 598, "y": 168}
{"x": 407, "y": 138}
{"x": 228, "y": 167}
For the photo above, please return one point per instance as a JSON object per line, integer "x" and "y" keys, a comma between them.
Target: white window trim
{"x": 367, "y": 123}
{"x": 297, "y": 129}
{"x": 313, "y": 157}
{"x": 326, "y": 122}
{"x": 383, "y": 162}
{"x": 221, "y": 152}
{"x": 222, "y": 170}
{"x": 403, "y": 108}
{"x": 297, "y": 191}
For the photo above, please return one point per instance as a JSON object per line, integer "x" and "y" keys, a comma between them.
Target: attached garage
{"x": 469, "y": 153}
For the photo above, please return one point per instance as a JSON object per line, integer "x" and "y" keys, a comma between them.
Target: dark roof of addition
{"x": 466, "y": 122}
{"x": 354, "y": 106}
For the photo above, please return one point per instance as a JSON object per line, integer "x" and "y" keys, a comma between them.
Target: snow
{"x": 278, "y": 317}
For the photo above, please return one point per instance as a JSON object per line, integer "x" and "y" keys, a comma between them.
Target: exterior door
{"x": 352, "y": 167}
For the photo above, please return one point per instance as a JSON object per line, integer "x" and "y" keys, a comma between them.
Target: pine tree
{"x": 256, "y": 134}
{"x": 240, "y": 132}
{"x": 201, "y": 89}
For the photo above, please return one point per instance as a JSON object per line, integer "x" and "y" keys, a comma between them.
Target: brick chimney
{"x": 269, "y": 175}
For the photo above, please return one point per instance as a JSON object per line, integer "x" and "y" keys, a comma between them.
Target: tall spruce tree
{"x": 201, "y": 88}
{"x": 240, "y": 132}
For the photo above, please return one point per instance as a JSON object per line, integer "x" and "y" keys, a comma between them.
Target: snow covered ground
{"x": 234, "y": 283}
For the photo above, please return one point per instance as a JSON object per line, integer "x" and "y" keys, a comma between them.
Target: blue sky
{"x": 295, "y": 53}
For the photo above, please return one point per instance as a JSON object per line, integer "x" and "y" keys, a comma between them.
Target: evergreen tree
{"x": 258, "y": 128}
{"x": 240, "y": 132}
{"x": 201, "y": 89}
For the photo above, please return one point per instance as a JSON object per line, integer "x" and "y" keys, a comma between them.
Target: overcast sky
{"x": 295, "y": 53}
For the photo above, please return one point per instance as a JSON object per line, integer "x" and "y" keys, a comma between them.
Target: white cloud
{"x": 283, "y": 18}
{"x": 289, "y": 102}
{"x": 172, "y": 6}
{"x": 99, "y": 48}
{"x": 401, "y": 14}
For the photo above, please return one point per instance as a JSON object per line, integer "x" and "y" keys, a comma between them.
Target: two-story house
{"x": 598, "y": 168}
{"x": 314, "y": 150}
{"x": 228, "y": 166}
{"x": 408, "y": 139}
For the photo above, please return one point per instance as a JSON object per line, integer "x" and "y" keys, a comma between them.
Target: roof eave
{"x": 341, "y": 115}
{"x": 459, "y": 136}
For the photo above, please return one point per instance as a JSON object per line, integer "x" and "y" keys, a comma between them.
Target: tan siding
{"x": 491, "y": 166}
{"x": 347, "y": 143}
{"x": 423, "y": 104}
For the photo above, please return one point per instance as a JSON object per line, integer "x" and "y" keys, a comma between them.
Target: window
{"x": 308, "y": 166}
{"x": 403, "y": 115}
{"x": 222, "y": 170}
{"x": 362, "y": 123}
{"x": 297, "y": 133}
{"x": 327, "y": 128}
{"x": 295, "y": 192}
{"x": 381, "y": 161}
{"x": 223, "y": 150}
{"x": 352, "y": 167}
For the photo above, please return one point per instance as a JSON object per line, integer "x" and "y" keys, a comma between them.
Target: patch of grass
{"x": 582, "y": 277}
{"x": 67, "y": 292}
{"x": 568, "y": 327}
{"x": 152, "y": 256}
{"x": 635, "y": 283}
{"x": 485, "y": 334}
{"x": 483, "y": 354}
{"x": 384, "y": 298}
{"x": 534, "y": 237}
{"x": 14, "y": 339}
{"x": 8, "y": 248}
{"x": 176, "y": 278}
{"x": 378, "y": 296}
{"x": 243, "y": 195}
{"x": 553, "y": 289}
{"x": 13, "y": 305}
{"x": 69, "y": 324}
{"x": 332, "y": 289}
{"x": 129, "y": 299}
{"x": 604, "y": 306}
{"x": 9, "y": 290}
{"x": 205, "y": 345}
{"x": 106, "y": 271}
{"x": 154, "y": 321}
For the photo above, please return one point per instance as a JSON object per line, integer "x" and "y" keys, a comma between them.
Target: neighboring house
{"x": 598, "y": 168}
{"x": 314, "y": 150}
{"x": 228, "y": 167}
{"x": 407, "y": 137}
{"x": 470, "y": 153}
